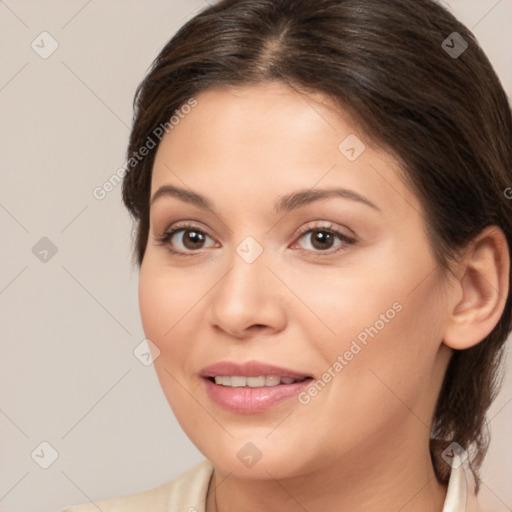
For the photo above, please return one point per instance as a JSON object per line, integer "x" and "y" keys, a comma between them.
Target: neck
{"x": 401, "y": 479}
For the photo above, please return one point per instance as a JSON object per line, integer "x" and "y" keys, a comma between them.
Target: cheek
{"x": 166, "y": 302}
{"x": 167, "y": 310}
{"x": 339, "y": 305}
{"x": 153, "y": 300}
{"x": 390, "y": 357}
{"x": 382, "y": 328}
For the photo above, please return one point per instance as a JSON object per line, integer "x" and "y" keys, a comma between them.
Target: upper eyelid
{"x": 328, "y": 225}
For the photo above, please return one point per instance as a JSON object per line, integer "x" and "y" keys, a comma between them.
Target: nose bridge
{"x": 247, "y": 271}
{"x": 245, "y": 295}
{"x": 249, "y": 250}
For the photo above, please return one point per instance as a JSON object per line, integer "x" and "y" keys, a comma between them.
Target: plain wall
{"x": 70, "y": 324}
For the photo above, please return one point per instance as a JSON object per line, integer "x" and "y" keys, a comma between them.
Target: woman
{"x": 323, "y": 234}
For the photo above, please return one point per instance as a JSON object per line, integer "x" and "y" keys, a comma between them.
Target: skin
{"x": 361, "y": 444}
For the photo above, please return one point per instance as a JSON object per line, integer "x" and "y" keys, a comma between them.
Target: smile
{"x": 237, "y": 381}
{"x": 251, "y": 387}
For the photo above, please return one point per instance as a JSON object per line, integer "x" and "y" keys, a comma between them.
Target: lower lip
{"x": 250, "y": 400}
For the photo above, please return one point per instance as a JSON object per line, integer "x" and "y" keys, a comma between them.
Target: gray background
{"x": 70, "y": 324}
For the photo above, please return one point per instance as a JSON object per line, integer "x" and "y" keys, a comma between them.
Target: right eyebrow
{"x": 187, "y": 196}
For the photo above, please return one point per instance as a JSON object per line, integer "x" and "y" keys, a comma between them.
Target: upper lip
{"x": 249, "y": 369}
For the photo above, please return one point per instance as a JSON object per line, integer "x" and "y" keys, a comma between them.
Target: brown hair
{"x": 444, "y": 116}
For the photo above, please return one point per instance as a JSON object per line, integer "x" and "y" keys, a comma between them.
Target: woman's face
{"x": 276, "y": 277}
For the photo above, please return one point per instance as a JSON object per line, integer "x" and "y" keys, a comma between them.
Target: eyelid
{"x": 164, "y": 238}
{"x": 328, "y": 226}
{"x": 185, "y": 224}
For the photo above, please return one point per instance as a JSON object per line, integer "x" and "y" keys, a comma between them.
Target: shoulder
{"x": 186, "y": 492}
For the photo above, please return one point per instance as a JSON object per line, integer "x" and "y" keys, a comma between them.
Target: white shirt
{"x": 187, "y": 493}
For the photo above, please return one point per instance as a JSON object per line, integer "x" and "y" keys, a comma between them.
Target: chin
{"x": 260, "y": 459}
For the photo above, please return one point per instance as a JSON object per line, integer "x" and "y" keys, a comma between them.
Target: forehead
{"x": 250, "y": 122}
{"x": 268, "y": 139}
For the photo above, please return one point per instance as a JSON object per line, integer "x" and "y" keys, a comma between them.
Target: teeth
{"x": 237, "y": 381}
{"x": 272, "y": 380}
{"x": 255, "y": 382}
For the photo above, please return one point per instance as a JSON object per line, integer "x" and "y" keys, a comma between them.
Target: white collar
{"x": 460, "y": 496}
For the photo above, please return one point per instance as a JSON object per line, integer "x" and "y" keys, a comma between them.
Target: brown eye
{"x": 185, "y": 240}
{"x": 323, "y": 240}
{"x": 193, "y": 239}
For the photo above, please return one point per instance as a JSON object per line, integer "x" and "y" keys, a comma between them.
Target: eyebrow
{"x": 286, "y": 203}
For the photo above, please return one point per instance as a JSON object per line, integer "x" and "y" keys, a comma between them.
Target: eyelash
{"x": 185, "y": 226}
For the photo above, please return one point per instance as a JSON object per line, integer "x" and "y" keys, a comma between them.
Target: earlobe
{"x": 482, "y": 290}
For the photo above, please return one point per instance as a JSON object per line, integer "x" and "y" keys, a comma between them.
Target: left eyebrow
{"x": 305, "y": 197}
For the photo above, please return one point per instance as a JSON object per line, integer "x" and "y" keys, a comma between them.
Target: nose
{"x": 248, "y": 300}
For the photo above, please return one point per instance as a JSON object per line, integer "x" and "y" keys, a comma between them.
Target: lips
{"x": 250, "y": 369}
{"x": 251, "y": 387}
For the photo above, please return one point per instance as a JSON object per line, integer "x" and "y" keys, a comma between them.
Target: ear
{"x": 481, "y": 289}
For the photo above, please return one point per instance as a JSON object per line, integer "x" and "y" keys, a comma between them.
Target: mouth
{"x": 240, "y": 381}
{"x": 251, "y": 387}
